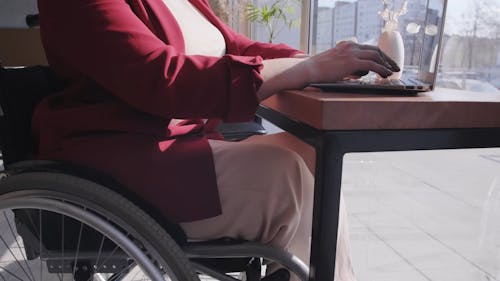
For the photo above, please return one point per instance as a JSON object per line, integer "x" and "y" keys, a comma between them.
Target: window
{"x": 288, "y": 35}
{"x": 408, "y": 221}
{"x": 471, "y": 47}
{"x": 471, "y": 54}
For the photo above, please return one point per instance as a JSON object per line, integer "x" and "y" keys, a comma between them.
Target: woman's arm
{"x": 103, "y": 40}
{"x": 106, "y": 42}
{"x": 346, "y": 60}
{"x": 247, "y": 47}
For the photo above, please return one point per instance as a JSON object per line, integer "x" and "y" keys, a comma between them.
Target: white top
{"x": 200, "y": 36}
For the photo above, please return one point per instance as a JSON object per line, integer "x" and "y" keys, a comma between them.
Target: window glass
{"x": 288, "y": 34}
{"x": 13, "y": 12}
{"x": 471, "y": 54}
{"x": 471, "y": 45}
{"x": 424, "y": 215}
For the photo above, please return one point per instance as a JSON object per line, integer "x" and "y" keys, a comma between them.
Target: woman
{"x": 134, "y": 66}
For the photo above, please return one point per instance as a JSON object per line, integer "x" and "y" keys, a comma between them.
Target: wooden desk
{"x": 336, "y": 124}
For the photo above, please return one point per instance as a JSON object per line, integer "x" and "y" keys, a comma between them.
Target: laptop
{"x": 414, "y": 80}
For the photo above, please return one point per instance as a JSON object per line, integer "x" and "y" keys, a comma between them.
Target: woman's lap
{"x": 261, "y": 191}
{"x": 266, "y": 191}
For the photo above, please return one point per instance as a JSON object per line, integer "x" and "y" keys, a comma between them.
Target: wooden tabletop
{"x": 442, "y": 108}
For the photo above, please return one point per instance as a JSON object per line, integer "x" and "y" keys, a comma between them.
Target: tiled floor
{"x": 424, "y": 215}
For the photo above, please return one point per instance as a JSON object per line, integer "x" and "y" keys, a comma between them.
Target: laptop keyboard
{"x": 403, "y": 82}
{"x": 372, "y": 82}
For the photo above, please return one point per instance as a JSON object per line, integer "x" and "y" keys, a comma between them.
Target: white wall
{"x": 13, "y": 12}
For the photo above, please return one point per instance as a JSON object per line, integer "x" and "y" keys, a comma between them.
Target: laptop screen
{"x": 432, "y": 34}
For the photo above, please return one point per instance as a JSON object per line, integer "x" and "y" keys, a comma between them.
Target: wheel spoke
{"x": 23, "y": 254}
{"x": 99, "y": 252}
{"x": 128, "y": 246}
{"x": 118, "y": 275}
{"x": 14, "y": 256}
{"x": 61, "y": 278}
{"x": 98, "y": 267}
{"x": 75, "y": 263}
{"x": 3, "y": 277}
{"x": 10, "y": 273}
{"x": 41, "y": 238}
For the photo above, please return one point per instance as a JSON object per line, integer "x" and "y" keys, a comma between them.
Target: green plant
{"x": 274, "y": 17}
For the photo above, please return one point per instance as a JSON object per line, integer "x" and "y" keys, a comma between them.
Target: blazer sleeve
{"x": 105, "y": 41}
{"x": 247, "y": 47}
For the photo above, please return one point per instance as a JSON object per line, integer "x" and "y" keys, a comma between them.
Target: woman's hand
{"x": 347, "y": 59}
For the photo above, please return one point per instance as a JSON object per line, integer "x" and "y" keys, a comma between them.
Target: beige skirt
{"x": 266, "y": 190}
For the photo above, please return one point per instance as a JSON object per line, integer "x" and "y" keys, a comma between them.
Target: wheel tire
{"x": 89, "y": 197}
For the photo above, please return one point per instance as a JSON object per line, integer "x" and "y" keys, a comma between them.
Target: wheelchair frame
{"x": 213, "y": 258}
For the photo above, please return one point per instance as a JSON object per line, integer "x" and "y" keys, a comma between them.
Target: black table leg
{"x": 331, "y": 145}
{"x": 328, "y": 180}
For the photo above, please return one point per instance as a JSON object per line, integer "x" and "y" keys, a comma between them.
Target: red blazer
{"x": 128, "y": 77}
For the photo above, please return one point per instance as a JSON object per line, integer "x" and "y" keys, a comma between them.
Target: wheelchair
{"x": 64, "y": 222}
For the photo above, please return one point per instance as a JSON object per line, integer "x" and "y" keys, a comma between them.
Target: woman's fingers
{"x": 350, "y": 60}
{"x": 373, "y": 59}
{"x": 393, "y": 65}
{"x": 373, "y": 55}
{"x": 358, "y": 74}
{"x": 375, "y": 67}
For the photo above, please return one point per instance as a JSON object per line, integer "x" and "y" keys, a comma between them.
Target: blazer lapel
{"x": 212, "y": 18}
{"x": 156, "y": 15}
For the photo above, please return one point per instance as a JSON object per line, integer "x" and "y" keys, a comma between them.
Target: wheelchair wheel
{"x": 59, "y": 227}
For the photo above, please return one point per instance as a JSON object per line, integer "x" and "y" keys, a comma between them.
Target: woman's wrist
{"x": 282, "y": 74}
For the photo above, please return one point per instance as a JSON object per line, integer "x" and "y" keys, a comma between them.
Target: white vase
{"x": 391, "y": 43}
